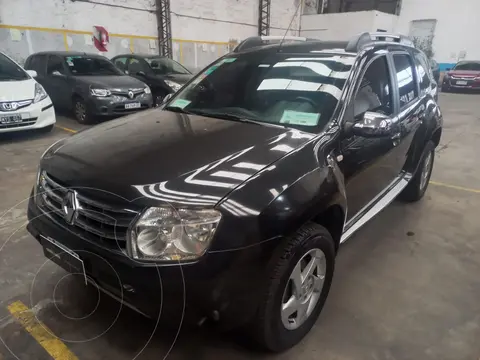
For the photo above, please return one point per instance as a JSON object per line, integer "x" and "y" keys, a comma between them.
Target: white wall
{"x": 457, "y": 26}
{"x": 81, "y": 16}
{"x": 223, "y": 20}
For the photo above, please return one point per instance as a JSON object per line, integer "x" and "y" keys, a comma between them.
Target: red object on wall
{"x": 100, "y": 38}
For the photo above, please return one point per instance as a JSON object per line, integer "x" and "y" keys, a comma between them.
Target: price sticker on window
{"x": 299, "y": 118}
{"x": 180, "y": 103}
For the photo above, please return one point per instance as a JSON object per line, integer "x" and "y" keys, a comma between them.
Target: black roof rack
{"x": 361, "y": 40}
{"x": 256, "y": 41}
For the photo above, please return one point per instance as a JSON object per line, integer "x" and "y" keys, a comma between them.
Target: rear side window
{"x": 407, "y": 87}
{"x": 423, "y": 71}
{"x": 37, "y": 63}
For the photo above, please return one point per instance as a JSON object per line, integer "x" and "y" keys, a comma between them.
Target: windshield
{"x": 291, "y": 90}
{"x": 9, "y": 71}
{"x": 164, "y": 66}
{"x": 474, "y": 66}
{"x": 91, "y": 65}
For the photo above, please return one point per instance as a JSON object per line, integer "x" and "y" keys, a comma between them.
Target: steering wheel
{"x": 306, "y": 99}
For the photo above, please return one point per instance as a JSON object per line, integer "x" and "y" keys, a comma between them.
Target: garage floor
{"x": 407, "y": 286}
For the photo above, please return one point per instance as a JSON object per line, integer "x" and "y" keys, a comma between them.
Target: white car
{"x": 24, "y": 103}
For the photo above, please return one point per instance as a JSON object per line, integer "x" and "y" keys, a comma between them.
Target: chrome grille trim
{"x": 99, "y": 221}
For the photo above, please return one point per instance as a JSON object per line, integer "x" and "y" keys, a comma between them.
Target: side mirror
{"x": 168, "y": 97}
{"x": 32, "y": 73}
{"x": 57, "y": 73}
{"x": 373, "y": 125}
{"x": 141, "y": 73}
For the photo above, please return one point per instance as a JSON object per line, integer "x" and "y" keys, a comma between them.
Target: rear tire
{"x": 276, "y": 328}
{"x": 419, "y": 184}
{"x": 81, "y": 112}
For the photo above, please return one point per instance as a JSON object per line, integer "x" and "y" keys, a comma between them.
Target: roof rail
{"x": 363, "y": 39}
{"x": 256, "y": 41}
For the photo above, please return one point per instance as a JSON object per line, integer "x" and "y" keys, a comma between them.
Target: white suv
{"x": 24, "y": 104}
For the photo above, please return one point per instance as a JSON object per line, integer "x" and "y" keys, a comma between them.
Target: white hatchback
{"x": 24, "y": 104}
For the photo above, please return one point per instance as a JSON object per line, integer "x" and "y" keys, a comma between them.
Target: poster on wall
{"x": 100, "y": 38}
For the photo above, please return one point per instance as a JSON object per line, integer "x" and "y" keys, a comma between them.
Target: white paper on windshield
{"x": 180, "y": 103}
{"x": 299, "y": 118}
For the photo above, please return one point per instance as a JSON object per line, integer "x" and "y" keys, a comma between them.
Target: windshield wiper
{"x": 227, "y": 116}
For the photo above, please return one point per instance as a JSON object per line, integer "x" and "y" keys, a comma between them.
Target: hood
{"x": 179, "y": 78}
{"x": 111, "y": 81}
{"x": 465, "y": 73}
{"x": 159, "y": 155}
{"x": 17, "y": 90}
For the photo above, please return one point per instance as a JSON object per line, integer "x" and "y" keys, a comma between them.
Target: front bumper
{"x": 451, "y": 83}
{"x": 114, "y": 105}
{"x": 34, "y": 116}
{"x": 218, "y": 286}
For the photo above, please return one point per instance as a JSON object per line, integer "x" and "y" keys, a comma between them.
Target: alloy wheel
{"x": 426, "y": 169}
{"x": 303, "y": 289}
{"x": 80, "y": 111}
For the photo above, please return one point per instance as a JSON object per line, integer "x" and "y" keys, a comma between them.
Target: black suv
{"x": 230, "y": 202}
{"x": 88, "y": 84}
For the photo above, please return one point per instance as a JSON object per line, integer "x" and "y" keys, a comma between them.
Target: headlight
{"x": 165, "y": 233}
{"x": 40, "y": 93}
{"x": 100, "y": 92}
{"x": 175, "y": 86}
{"x": 147, "y": 90}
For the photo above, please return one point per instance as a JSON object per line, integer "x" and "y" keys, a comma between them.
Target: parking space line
{"x": 66, "y": 129}
{"x": 44, "y": 336}
{"x": 476, "y": 191}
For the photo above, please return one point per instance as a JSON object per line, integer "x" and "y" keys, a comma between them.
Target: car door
{"x": 411, "y": 106}
{"x": 369, "y": 164}
{"x": 57, "y": 82}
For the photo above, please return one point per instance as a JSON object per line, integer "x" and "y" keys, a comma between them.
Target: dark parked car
{"x": 464, "y": 76}
{"x": 231, "y": 202}
{"x": 88, "y": 84}
{"x": 163, "y": 75}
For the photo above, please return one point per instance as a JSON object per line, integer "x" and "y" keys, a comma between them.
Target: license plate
{"x": 11, "y": 119}
{"x": 462, "y": 82}
{"x": 132, "y": 106}
{"x": 63, "y": 257}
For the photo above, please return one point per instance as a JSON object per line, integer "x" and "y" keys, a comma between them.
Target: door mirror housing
{"x": 32, "y": 73}
{"x": 373, "y": 125}
{"x": 168, "y": 97}
{"x": 141, "y": 73}
{"x": 57, "y": 73}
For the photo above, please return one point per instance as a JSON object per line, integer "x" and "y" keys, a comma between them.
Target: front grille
{"x": 25, "y": 122}
{"x": 98, "y": 222}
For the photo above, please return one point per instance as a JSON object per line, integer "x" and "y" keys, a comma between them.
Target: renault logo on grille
{"x": 69, "y": 207}
{"x": 130, "y": 94}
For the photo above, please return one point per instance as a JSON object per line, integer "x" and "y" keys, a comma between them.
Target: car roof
{"x": 469, "y": 62}
{"x": 148, "y": 56}
{"x": 67, "y": 53}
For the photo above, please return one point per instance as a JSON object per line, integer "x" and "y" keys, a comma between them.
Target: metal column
{"x": 264, "y": 17}
{"x": 164, "y": 26}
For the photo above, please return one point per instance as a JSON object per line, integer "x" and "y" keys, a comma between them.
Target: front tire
{"x": 80, "y": 109}
{"x": 297, "y": 288}
{"x": 419, "y": 184}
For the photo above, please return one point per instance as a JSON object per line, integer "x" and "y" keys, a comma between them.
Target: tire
{"x": 444, "y": 89}
{"x": 269, "y": 329}
{"x": 80, "y": 110}
{"x": 419, "y": 184}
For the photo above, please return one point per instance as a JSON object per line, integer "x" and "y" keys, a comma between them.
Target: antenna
{"x": 291, "y": 22}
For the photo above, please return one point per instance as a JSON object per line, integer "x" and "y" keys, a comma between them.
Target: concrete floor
{"x": 407, "y": 286}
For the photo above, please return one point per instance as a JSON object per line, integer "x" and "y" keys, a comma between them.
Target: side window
{"x": 423, "y": 71}
{"x": 55, "y": 63}
{"x": 121, "y": 63}
{"x": 407, "y": 87}
{"x": 137, "y": 65}
{"x": 375, "y": 91}
{"x": 37, "y": 63}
